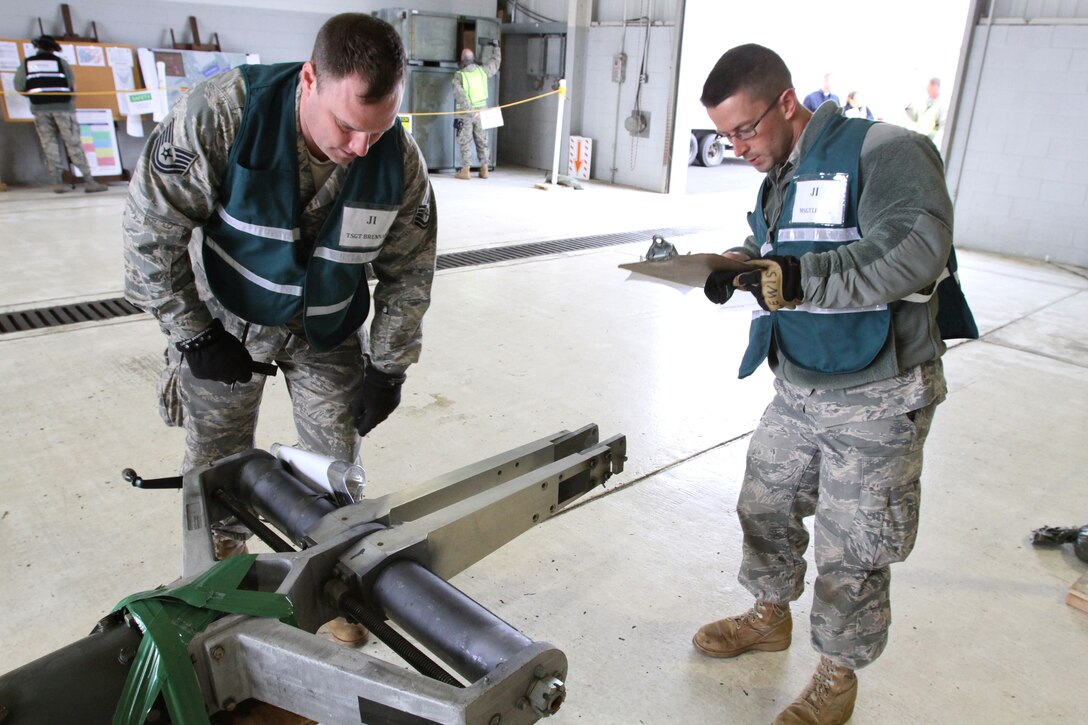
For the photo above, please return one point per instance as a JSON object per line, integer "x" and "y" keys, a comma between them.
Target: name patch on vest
{"x": 42, "y": 66}
{"x": 820, "y": 200}
{"x": 365, "y": 228}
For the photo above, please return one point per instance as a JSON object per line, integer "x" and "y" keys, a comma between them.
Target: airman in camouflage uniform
{"x": 343, "y": 384}
{"x": 470, "y": 93}
{"x": 851, "y": 235}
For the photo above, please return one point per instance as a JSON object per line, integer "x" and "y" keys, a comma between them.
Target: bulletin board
{"x": 100, "y": 70}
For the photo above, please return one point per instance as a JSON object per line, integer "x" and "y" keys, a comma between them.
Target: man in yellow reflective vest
{"x": 470, "y": 94}
{"x": 929, "y": 119}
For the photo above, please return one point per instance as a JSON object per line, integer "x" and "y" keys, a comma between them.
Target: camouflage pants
{"x": 853, "y": 459}
{"x": 220, "y": 420}
{"x": 56, "y": 129}
{"x": 468, "y": 132}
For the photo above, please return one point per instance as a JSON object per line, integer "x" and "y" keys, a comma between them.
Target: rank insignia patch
{"x": 168, "y": 158}
{"x": 423, "y": 212}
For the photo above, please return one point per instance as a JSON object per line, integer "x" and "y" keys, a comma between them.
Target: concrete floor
{"x": 516, "y": 351}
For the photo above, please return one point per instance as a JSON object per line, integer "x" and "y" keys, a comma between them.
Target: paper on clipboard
{"x": 690, "y": 270}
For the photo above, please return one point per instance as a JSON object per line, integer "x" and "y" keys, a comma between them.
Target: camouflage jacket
{"x": 175, "y": 189}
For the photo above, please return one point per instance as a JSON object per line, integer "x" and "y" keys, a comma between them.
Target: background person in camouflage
{"x": 252, "y": 213}
{"x": 47, "y": 80}
{"x": 852, "y": 219}
{"x": 470, "y": 92}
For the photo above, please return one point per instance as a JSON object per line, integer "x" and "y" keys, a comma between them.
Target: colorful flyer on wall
{"x": 99, "y": 139}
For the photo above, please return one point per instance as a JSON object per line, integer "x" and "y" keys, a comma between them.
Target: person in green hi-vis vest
{"x": 470, "y": 93}
{"x": 928, "y": 118}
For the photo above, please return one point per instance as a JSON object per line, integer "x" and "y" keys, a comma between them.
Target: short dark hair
{"x": 359, "y": 44}
{"x": 750, "y": 68}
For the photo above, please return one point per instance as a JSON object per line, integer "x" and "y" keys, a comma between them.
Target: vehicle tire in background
{"x": 693, "y": 149}
{"x": 710, "y": 151}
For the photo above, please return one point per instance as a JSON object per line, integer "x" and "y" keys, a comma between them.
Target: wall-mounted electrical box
{"x": 619, "y": 67}
{"x": 547, "y": 56}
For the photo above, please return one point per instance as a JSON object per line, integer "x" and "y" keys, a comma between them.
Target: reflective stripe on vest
{"x": 45, "y": 74}
{"x": 257, "y": 264}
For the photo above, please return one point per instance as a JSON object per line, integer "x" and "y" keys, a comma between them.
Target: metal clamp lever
{"x": 134, "y": 478}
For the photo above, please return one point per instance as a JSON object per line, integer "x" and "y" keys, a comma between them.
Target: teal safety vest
{"x": 256, "y": 262}
{"x": 819, "y": 214}
{"x": 474, "y": 81}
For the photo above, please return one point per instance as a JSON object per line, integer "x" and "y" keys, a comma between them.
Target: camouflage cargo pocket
{"x": 885, "y": 525}
{"x": 169, "y": 390}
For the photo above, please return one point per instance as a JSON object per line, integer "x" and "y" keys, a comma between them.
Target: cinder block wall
{"x": 1018, "y": 158}
{"x": 638, "y": 160}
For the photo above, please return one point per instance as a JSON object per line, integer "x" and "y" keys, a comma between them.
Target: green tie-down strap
{"x": 170, "y": 618}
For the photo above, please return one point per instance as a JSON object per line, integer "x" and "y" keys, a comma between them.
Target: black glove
{"x": 776, "y": 284}
{"x": 718, "y": 287}
{"x": 379, "y": 396}
{"x": 215, "y": 354}
{"x": 493, "y": 43}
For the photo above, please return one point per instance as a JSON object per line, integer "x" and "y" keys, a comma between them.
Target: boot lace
{"x": 819, "y": 689}
{"x": 753, "y": 615}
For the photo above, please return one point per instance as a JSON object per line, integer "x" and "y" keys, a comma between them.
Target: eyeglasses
{"x": 746, "y": 133}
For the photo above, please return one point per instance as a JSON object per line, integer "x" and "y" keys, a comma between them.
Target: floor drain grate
{"x": 66, "y": 315}
{"x": 98, "y": 310}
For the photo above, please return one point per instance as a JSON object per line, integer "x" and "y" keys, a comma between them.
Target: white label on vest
{"x": 819, "y": 201}
{"x": 362, "y": 228}
{"x": 42, "y": 66}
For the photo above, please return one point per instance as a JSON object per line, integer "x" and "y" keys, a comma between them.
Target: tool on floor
{"x": 660, "y": 250}
{"x": 243, "y": 628}
{"x": 1055, "y": 536}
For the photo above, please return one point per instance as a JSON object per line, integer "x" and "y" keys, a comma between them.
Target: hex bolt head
{"x": 218, "y": 652}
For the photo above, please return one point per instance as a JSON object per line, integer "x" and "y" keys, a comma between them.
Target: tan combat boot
{"x": 462, "y": 173}
{"x": 765, "y": 627}
{"x": 91, "y": 185}
{"x": 828, "y": 699}
{"x": 483, "y": 171}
